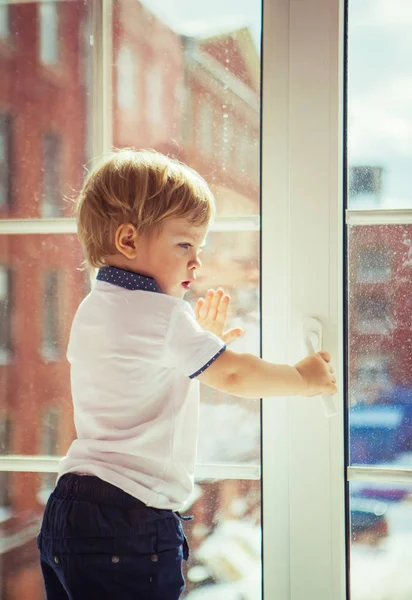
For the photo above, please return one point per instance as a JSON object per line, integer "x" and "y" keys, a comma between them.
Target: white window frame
{"x": 304, "y": 552}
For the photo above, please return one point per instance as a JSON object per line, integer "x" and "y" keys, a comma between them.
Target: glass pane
{"x": 193, "y": 92}
{"x": 21, "y": 511}
{"x": 41, "y": 284}
{"x": 231, "y": 260}
{"x": 379, "y": 107}
{"x": 381, "y": 541}
{"x": 225, "y": 542}
{"x": 224, "y": 538}
{"x": 45, "y": 112}
{"x": 380, "y": 344}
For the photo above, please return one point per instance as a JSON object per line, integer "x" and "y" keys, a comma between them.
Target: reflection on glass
{"x": 379, "y": 115}
{"x": 381, "y": 541}
{"x": 380, "y": 344}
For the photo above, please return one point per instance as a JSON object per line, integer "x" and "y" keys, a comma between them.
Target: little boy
{"x": 111, "y": 529}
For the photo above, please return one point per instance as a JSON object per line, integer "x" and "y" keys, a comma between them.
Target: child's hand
{"x": 318, "y": 374}
{"x": 211, "y": 314}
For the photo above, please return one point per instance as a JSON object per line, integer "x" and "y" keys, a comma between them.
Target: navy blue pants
{"x": 99, "y": 543}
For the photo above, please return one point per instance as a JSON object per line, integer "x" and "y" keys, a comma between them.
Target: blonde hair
{"x": 142, "y": 187}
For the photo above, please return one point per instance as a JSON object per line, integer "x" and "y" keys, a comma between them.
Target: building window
{"x": 5, "y": 447}
{"x": 5, "y": 160}
{"x": 51, "y": 185}
{"x": 4, "y": 22}
{"x": 365, "y": 186}
{"x": 126, "y": 64}
{"x": 49, "y": 33}
{"x": 49, "y": 447}
{"x": 374, "y": 265}
{"x": 154, "y": 95}
{"x": 50, "y": 346}
{"x": 205, "y": 126}
{"x": 5, "y": 315}
{"x": 373, "y": 316}
{"x": 373, "y": 371}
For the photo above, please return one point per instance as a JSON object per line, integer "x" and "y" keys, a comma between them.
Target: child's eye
{"x": 185, "y": 246}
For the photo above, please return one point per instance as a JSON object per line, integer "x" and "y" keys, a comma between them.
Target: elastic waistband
{"x": 94, "y": 489}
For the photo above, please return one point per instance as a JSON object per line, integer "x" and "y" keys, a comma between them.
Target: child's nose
{"x": 196, "y": 263}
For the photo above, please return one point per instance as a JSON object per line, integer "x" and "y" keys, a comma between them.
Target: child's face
{"x": 171, "y": 257}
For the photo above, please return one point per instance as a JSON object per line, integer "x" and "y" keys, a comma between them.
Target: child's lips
{"x": 186, "y": 284}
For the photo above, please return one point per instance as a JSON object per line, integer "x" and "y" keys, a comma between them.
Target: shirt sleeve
{"x": 189, "y": 348}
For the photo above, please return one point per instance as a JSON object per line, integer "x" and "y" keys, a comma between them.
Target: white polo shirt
{"x": 134, "y": 354}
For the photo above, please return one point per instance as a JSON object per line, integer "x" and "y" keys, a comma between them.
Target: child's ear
{"x": 126, "y": 240}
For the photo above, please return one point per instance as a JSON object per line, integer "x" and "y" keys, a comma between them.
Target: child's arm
{"x": 248, "y": 376}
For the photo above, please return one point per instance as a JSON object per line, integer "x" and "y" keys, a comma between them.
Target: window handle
{"x": 313, "y": 343}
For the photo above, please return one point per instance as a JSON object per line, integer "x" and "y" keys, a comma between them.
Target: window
{"x": 5, "y": 160}
{"x": 374, "y": 265}
{"x": 373, "y": 315}
{"x": 51, "y": 184}
{"x": 154, "y": 95}
{"x": 4, "y": 22}
{"x": 379, "y": 283}
{"x": 50, "y": 344}
{"x": 365, "y": 184}
{"x": 5, "y": 444}
{"x": 373, "y": 370}
{"x": 48, "y": 163}
{"x": 48, "y": 32}
{"x": 5, "y": 315}
{"x": 49, "y": 447}
{"x": 126, "y": 64}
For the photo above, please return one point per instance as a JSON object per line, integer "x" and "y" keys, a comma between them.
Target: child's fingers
{"x": 198, "y": 307}
{"x": 222, "y": 310}
{"x": 233, "y": 334}
{"x": 204, "y": 312}
{"x": 325, "y": 355}
{"x": 215, "y": 303}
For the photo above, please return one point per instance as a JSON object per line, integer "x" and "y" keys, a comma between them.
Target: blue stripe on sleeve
{"x": 208, "y": 364}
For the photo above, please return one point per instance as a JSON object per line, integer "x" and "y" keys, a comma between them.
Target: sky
{"x": 380, "y": 94}
{"x": 184, "y": 15}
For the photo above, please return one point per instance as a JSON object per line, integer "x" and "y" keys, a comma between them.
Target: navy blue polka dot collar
{"x": 128, "y": 279}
